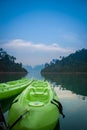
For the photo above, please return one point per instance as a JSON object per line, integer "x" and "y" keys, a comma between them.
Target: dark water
{"x": 72, "y": 93}
{"x": 9, "y": 77}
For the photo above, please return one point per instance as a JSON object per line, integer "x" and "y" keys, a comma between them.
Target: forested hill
{"x": 75, "y": 62}
{"x": 8, "y": 64}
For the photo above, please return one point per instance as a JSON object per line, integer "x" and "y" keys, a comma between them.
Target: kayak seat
{"x": 38, "y": 94}
{"x": 40, "y": 84}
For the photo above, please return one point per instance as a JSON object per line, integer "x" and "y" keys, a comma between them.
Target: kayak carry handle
{"x": 59, "y": 106}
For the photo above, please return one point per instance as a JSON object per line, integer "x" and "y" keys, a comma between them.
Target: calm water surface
{"x": 72, "y": 93}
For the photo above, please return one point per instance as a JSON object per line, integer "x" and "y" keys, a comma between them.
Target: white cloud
{"x": 19, "y": 43}
{"x": 35, "y": 53}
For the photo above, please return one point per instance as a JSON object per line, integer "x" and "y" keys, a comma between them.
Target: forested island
{"x": 74, "y": 63}
{"x": 8, "y": 64}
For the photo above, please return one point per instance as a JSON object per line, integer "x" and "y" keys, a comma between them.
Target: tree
{"x": 75, "y": 62}
{"x": 7, "y": 63}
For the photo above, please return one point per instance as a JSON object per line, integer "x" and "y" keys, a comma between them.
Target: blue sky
{"x": 36, "y": 31}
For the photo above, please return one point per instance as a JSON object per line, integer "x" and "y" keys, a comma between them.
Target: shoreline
{"x": 13, "y": 72}
{"x": 66, "y": 73}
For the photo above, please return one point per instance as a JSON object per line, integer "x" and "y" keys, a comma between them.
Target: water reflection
{"x": 76, "y": 83}
{"x": 57, "y": 127}
{"x": 34, "y": 75}
{"x": 9, "y": 77}
{"x": 75, "y": 110}
{"x": 6, "y": 103}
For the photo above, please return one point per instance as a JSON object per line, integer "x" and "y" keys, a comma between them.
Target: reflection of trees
{"x": 57, "y": 127}
{"x": 6, "y": 104}
{"x": 10, "y": 77}
{"x": 75, "y": 83}
{"x": 83, "y": 97}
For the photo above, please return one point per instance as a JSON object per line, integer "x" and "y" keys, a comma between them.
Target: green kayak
{"x": 12, "y": 88}
{"x": 33, "y": 109}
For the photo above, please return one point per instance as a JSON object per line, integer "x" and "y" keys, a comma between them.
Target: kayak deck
{"x": 37, "y": 94}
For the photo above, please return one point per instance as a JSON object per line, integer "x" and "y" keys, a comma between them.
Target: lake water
{"x": 72, "y": 93}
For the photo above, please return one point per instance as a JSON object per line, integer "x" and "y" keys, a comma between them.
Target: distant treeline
{"x": 8, "y": 64}
{"x": 75, "y": 62}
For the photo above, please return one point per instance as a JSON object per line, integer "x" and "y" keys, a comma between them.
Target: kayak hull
{"x": 34, "y": 114}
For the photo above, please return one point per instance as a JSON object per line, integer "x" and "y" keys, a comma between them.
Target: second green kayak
{"x": 12, "y": 88}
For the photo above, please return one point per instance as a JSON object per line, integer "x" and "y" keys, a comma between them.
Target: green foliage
{"x": 7, "y": 63}
{"x": 75, "y": 62}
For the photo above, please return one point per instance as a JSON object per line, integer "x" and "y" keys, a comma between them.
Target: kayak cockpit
{"x": 38, "y": 96}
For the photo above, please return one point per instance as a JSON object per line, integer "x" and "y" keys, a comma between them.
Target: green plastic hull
{"x": 34, "y": 107}
{"x": 13, "y": 88}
